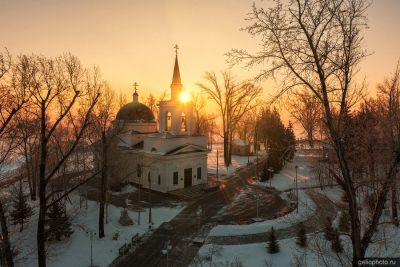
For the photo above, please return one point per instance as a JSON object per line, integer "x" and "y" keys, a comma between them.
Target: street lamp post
{"x": 139, "y": 174}
{"x": 165, "y": 251}
{"x": 217, "y": 163}
{"x": 91, "y": 234}
{"x": 149, "y": 180}
{"x": 256, "y": 149}
{"x": 297, "y": 191}
{"x": 140, "y": 185}
{"x": 199, "y": 211}
{"x": 257, "y": 196}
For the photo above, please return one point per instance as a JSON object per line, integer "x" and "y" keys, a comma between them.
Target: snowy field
{"x": 237, "y": 161}
{"x": 256, "y": 254}
{"x": 75, "y": 251}
{"x": 286, "y": 178}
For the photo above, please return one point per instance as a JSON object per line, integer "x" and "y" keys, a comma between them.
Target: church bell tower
{"x": 176, "y": 116}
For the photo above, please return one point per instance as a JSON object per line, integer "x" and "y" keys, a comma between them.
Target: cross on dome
{"x": 135, "y": 94}
{"x": 135, "y": 85}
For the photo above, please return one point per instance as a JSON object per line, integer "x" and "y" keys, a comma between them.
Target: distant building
{"x": 166, "y": 159}
{"x": 240, "y": 147}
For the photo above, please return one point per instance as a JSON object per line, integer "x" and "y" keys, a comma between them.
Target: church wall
{"x": 179, "y": 165}
{"x": 165, "y": 166}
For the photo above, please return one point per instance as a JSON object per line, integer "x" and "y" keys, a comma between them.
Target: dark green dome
{"x": 136, "y": 112}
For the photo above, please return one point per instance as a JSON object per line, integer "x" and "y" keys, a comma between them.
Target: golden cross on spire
{"x": 135, "y": 85}
{"x": 176, "y": 49}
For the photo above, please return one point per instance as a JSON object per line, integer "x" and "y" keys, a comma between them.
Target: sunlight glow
{"x": 184, "y": 97}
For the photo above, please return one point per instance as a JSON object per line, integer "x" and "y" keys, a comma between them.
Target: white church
{"x": 162, "y": 156}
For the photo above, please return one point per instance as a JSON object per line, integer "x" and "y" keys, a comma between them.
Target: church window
{"x": 183, "y": 123}
{"x": 199, "y": 173}
{"x": 139, "y": 170}
{"x": 168, "y": 121}
{"x": 175, "y": 178}
{"x": 159, "y": 179}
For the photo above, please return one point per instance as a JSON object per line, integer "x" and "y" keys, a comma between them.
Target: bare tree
{"x": 389, "y": 98}
{"x": 152, "y": 102}
{"x": 202, "y": 121}
{"x": 28, "y": 138}
{"x": 233, "y": 99}
{"x": 13, "y": 96}
{"x": 318, "y": 44}
{"x": 102, "y": 133}
{"x": 305, "y": 108}
{"x": 122, "y": 99}
{"x": 58, "y": 86}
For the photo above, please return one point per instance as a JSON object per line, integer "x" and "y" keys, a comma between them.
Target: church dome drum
{"x": 135, "y": 112}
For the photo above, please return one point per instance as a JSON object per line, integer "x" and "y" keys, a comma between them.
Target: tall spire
{"x": 135, "y": 94}
{"x": 176, "y": 85}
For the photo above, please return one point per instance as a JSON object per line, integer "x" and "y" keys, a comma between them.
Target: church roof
{"x": 136, "y": 112}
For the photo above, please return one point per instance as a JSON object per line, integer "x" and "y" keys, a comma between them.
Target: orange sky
{"x": 133, "y": 40}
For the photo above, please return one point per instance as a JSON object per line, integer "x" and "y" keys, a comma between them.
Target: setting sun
{"x": 184, "y": 97}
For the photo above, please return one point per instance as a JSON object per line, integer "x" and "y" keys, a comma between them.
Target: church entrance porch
{"x": 188, "y": 177}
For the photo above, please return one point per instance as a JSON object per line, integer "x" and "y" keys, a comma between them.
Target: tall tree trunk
{"x": 347, "y": 185}
{"x": 358, "y": 250}
{"x": 7, "y": 253}
{"x": 230, "y": 148}
{"x": 103, "y": 189}
{"x": 310, "y": 138}
{"x": 41, "y": 238}
{"x": 226, "y": 138}
{"x": 33, "y": 176}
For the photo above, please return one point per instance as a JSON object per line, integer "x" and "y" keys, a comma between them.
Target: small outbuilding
{"x": 240, "y": 147}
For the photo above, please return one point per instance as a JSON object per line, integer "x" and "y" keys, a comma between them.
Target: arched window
{"x": 168, "y": 121}
{"x": 183, "y": 123}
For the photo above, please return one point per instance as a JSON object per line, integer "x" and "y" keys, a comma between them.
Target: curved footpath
{"x": 325, "y": 208}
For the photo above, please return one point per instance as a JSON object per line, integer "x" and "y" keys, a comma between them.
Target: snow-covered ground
{"x": 75, "y": 251}
{"x": 253, "y": 255}
{"x": 256, "y": 254}
{"x": 286, "y": 178}
{"x": 237, "y": 161}
{"x": 7, "y": 168}
{"x": 307, "y": 208}
{"x": 386, "y": 242}
{"x": 282, "y": 181}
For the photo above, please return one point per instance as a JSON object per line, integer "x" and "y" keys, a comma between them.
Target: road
{"x": 185, "y": 226}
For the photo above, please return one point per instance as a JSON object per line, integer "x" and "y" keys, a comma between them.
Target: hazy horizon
{"x": 132, "y": 41}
